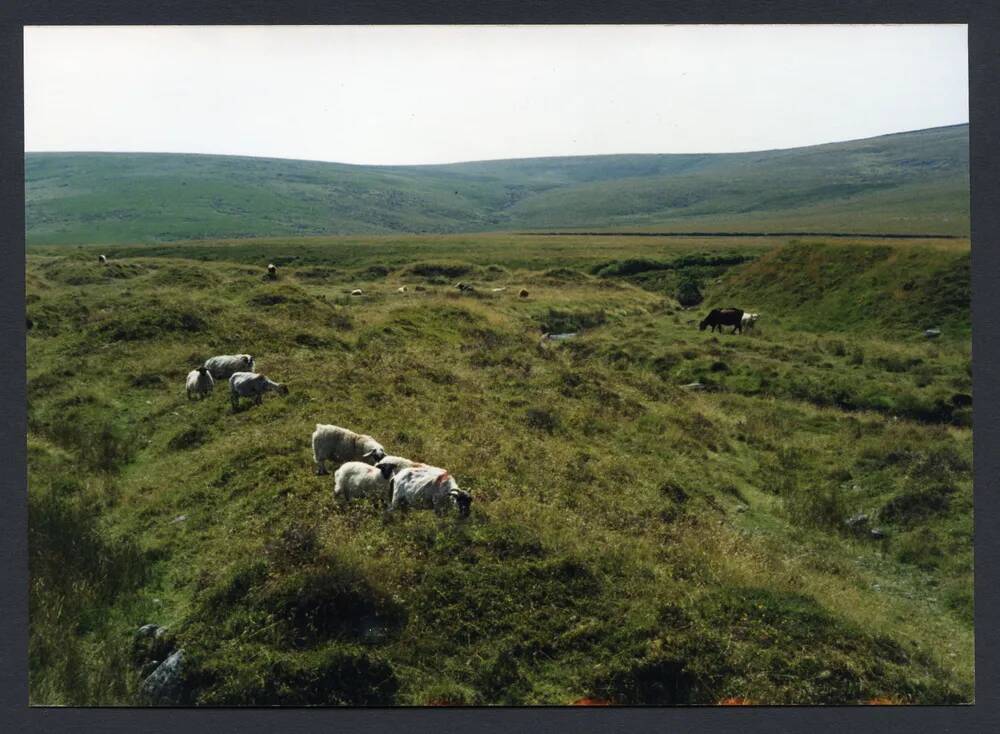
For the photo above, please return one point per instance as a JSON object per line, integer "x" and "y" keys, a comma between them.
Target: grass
{"x": 630, "y": 540}
{"x": 916, "y": 182}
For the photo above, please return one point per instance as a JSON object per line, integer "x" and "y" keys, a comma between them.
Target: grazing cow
{"x": 719, "y": 317}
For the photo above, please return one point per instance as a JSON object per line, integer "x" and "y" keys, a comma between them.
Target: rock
{"x": 165, "y": 685}
{"x": 741, "y": 508}
{"x": 179, "y": 518}
{"x": 148, "y": 630}
{"x": 857, "y": 521}
{"x": 932, "y": 333}
{"x": 694, "y": 386}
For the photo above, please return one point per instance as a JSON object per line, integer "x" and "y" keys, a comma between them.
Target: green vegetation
{"x": 915, "y": 182}
{"x": 629, "y": 540}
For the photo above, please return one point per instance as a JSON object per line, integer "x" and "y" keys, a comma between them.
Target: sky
{"x": 437, "y": 94}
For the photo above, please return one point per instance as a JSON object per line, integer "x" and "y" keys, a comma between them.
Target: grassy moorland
{"x": 913, "y": 182}
{"x": 630, "y": 539}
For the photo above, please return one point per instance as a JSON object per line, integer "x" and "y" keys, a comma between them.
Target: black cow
{"x": 719, "y": 317}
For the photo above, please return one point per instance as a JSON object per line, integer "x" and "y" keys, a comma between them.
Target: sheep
{"x": 357, "y": 479}
{"x": 401, "y": 289}
{"x": 396, "y": 463}
{"x": 357, "y": 292}
{"x": 428, "y": 487}
{"x": 272, "y": 271}
{"x": 199, "y": 383}
{"x": 225, "y": 365}
{"x": 748, "y": 321}
{"x": 523, "y": 293}
{"x": 252, "y": 385}
{"x": 333, "y": 443}
{"x": 498, "y": 290}
{"x": 102, "y": 259}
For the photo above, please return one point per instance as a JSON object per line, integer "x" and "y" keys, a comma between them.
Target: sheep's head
{"x": 203, "y": 370}
{"x": 702, "y": 325}
{"x": 374, "y": 456}
{"x": 462, "y": 500}
{"x": 386, "y": 470}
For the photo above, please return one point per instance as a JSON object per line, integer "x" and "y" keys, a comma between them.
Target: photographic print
{"x": 412, "y": 366}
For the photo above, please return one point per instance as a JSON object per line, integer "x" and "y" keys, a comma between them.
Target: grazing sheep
{"x": 396, "y": 463}
{"x": 465, "y": 287}
{"x": 102, "y": 259}
{"x": 357, "y": 479}
{"x": 333, "y": 443}
{"x": 252, "y": 385}
{"x": 199, "y": 383}
{"x": 357, "y": 292}
{"x": 523, "y": 293}
{"x": 272, "y": 272}
{"x": 428, "y": 487}
{"x": 225, "y": 365}
{"x": 401, "y": 289}
{"x": 748, "y": 321}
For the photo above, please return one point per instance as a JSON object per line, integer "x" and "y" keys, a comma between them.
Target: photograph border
{"x": 983, "y": 18}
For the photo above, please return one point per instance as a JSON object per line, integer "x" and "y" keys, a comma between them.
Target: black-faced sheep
{"x": 428, "y": 487}
{"x": 199, "y": 383}
{"x": 272, "y": 271}
{"x": 253, "y": 386}
{"x": 225, "y": 365}
{"x": 333, "y": 443}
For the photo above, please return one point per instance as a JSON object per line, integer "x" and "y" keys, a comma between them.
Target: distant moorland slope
{"x": 910, "y": 183}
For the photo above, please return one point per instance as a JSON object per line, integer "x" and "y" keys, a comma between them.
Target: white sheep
{"x": 428, "y": 487}
{"x": 199, "y": 383}
{"x": 748, "y": 321}
{"x": 401, "y": 289}
{"x": 357, "y": 292}
{"x": 252, "y": 385}
{"x": 357, "y": 479}
{"x": 272, "y": 271}
{"x": 102, "y": 259}
{"x": 225, "y": 365}
{"x": 333, "y": 443}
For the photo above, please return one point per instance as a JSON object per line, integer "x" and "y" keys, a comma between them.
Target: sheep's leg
{"x": 320, "y": 466}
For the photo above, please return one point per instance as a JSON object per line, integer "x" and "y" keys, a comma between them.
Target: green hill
{"x": 915, "y": 182}
{"x": 631, "y": 539}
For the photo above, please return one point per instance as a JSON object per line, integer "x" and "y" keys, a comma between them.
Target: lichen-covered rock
{"x": 165, "y": 686}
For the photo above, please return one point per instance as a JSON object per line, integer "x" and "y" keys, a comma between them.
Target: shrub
{"x": 688, "y": 293}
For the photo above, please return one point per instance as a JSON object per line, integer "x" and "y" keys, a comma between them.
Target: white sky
{"x": 431, "y": 94}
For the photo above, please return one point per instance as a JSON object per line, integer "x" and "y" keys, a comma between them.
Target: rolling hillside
{"x": 796, "y": 531}
{"x": 915, "y": 182}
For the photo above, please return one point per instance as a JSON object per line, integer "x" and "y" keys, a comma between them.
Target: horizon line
{"x": 487, "y": 160}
